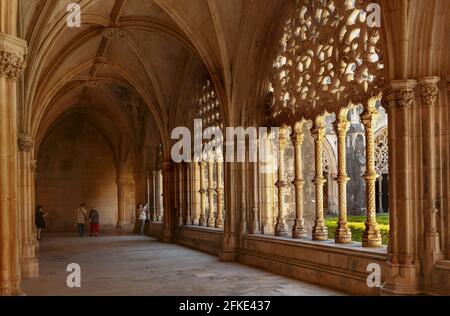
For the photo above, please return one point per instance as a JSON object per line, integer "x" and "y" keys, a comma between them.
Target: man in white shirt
{"x": 81, "y": 219}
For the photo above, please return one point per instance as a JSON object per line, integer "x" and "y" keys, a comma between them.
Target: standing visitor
{"x": 81, "y": 218}
{"x": 94, "y": 220}
{"x": 142, "y": 217}
{"x": 40, "y": 220}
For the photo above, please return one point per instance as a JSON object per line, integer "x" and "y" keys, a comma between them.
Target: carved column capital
{"x": 429, "y": 89}
{"x": 25, "y": 142}
{"x": 12, "y": 56}
{"x": 400, "y": 94}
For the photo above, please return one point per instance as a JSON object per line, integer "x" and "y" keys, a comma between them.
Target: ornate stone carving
{"x": 11, "y": 65}
{"x": 328, "y": 57}
{"x": 429, "y": 89}
{"x": 381, "y": 153}
{"x": 114, "y": 32}
{"x": 25, "y": 142}
{"x": 405, "y": 98}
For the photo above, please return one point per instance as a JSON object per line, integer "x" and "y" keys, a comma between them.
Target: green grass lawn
{"x": 356, "y": 224}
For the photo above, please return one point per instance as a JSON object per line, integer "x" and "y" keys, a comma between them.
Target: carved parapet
{"x": 12, "y": 56}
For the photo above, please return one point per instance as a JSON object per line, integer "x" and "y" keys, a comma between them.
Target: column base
{"x": 219, "y": 223}
{"x": 281, "y": 229}
{"x": 320, "y": 231}
{"x": 401, "y": 279}
{"x": 371, "y": 237}
{"x": 299, "y": 229}
{"x": 211, "y": 222}
{"x": 30, "y": 268}
{"x": 343, "y": 235}
{"x": 10, "y": 288}
{"x": 202, "y": 221}
{"x": 229, "y": 252}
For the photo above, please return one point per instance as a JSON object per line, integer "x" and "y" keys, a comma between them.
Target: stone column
{"x": 153, "y": 211}
{"x": 219, "y": 189}
{"x": 267, "y": 167}
{"x": 211, "y": 190}
{"x": 403, "y": 271}
{"x": 202, "y": 220}
{"x": 281, "y": 225}
{"x": 168, "y": 191}
{"x": 159, "y": 196}
{"x": 12, "y": 63}
{"x": 195, "y": 189}
{"x": 429, "y": 88}
{"x": 187, "y": 193}
{"x": 371, "y": 236}
{"x": 299, "y": 228}
{"x": 319, "y": 231}
{"x": 29, "y": 263}
{"x": 343, "y": 234}
{"x": 121, "y": 220}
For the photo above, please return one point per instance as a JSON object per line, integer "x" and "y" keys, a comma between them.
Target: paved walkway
{"x": 140, "y": 265}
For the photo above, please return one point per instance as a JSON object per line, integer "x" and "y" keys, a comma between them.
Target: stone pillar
{"x": 202, "y": 220}
{"x": 12, "y": 63}
{"x": 168, "y": 192}
{"x": 371, "y": 236}
{"x": 255, "y": 222}
{"x": 187, "y": 193}
{"x": 159, "y": 196}
{"x": 267, "y": 168}
{"x": 319, "y": 231}
{"x": 219, "y": 189}
{"x": 195, "y": 190}
{"x": 402, "y": 274}
{"x": 121, "y": 220}
{"x": 343, "y": 234}
{"x": 429, "y": 88}
{"x": 29, "y": 263}
{"x": 153, "y": 212}
{"x": 211, "y": 191}
{"x": 281, "y": 225}
{"x": 299, "y": 228}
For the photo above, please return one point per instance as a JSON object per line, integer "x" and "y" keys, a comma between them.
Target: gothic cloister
{"x": 354, "y": 171}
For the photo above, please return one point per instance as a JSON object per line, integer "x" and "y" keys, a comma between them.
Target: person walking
{"x": 81, "y": 218}
{"x": 94, "y": 220}
{"x": 39, "y": 220}
{"x": 142, "y": 218}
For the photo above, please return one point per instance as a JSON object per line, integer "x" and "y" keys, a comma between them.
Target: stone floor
{"x": 135, "y": 265}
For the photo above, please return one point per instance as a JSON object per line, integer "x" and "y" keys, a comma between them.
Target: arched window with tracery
{"x": 207, "y": 185}
{"x": 329, "y": 60}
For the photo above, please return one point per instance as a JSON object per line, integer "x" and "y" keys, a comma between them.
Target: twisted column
{"x": 371, "y": 236}
{"x": 211, "y": 190}
{"x": 219, "y": 189}
{"x": 299, "y": 229}
{"x": 319, "y": 231}
{"x": 202, "y": 220}
{"x": 281, "y": 226}
{"x": 343, "y": 234}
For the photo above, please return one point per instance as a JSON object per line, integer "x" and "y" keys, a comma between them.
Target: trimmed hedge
{"x": 357, "y": 229}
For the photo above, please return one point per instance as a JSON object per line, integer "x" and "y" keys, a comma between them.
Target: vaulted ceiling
{"x": 133, "y": 62}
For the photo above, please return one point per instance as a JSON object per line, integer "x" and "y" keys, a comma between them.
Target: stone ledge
{"x": 328, "y": 245}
